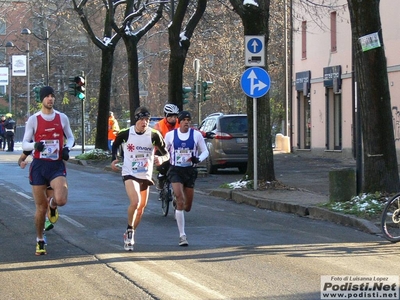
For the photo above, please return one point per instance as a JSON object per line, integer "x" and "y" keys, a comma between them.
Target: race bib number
{"x": 51, "y": 149}
{"x": 140, "y": 163}
{"x": 183, "y": 157}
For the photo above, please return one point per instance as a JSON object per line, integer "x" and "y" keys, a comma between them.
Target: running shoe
{"x": 40, "y": 248}
{"x": 52, "y": 213}
{"x": 183, "y": 241}
{"x": 128, "y": 240}
{"x": 48, "y": 225}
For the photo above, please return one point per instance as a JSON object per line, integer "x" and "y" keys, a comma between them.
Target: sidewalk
{"x": 308, "y": 178}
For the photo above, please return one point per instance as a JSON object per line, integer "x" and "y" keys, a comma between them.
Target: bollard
{"x": 342, "y": 184}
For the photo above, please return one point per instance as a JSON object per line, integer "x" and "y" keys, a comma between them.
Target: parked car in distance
{"x": 154, "y": 120}
{"x": 226, "y": 140}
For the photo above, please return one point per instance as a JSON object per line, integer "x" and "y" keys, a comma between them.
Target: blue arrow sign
{"x": 254, "y": 45}
{"x": 255, "y": 82}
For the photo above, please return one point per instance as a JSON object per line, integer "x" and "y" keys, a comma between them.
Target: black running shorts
{"x": 42, "y": 172}
{"x": 185, "y": 175}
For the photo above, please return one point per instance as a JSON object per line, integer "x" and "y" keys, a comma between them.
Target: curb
{"x": 310, "y": 211}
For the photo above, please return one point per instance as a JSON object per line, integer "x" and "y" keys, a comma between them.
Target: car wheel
{"x": 242, "y": 169}
{"x": 211, "y": 169}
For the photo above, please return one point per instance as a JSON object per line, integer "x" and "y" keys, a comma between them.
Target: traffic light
{"x": 76, "y": 86}
{"x": 36, "y": 90}
{"x": 80, "y": 87}
{"x": 185, "y": 94}
{"x": 72, "y": 86}
{"x": 206, "y": 85}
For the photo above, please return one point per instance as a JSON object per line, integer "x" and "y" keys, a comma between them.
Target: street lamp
{"x": 46, "y": 38}
{"x": 28, "y": 93}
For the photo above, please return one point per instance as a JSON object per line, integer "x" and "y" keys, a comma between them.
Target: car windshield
{"x": 234, "y": 124}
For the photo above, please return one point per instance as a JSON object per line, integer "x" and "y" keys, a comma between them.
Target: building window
{"x": 304, "y": 39}
{"x": 333, "y": 32}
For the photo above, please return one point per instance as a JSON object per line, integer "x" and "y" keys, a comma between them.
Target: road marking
{"x": 24, "y": 195}
{"x": 28, "y": 209}
{"x": 72, "y": 221}
{"x": 167, "y": 287}
{"x": 197, "y": 285}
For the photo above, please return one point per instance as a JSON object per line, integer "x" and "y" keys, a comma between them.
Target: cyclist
{"x": 168, "y": 123}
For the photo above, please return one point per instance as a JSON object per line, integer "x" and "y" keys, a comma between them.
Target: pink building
{"x": 323, "y": 109}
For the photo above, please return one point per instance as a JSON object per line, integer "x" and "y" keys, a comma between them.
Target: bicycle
{"x": 166, "y": 196}
{"x": 390, "y": 222}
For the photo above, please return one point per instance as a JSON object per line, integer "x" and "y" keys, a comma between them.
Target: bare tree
{"x": 379, "y": 153}
{"x": 128, "y": 27}
{"x": 179, "y": 42}
{"x": 107, "y": 45}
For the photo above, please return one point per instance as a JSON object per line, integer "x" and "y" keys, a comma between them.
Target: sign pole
{"x": 255, "y": 175}
{"x": 196, "y": 66}
{"x": 255, "y": 83}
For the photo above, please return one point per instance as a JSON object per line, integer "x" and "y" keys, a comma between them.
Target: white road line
{"x": 72, "y": 221}
{"x": 198, "y": 286}
{"x": 24, "y": 195}
{"x": 28, "y": 209}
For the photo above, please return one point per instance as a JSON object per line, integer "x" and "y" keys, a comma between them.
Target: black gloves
{"x": 65, "y": 153}
{"x": 39, "y": 146}
{"x": 195, "y": 160}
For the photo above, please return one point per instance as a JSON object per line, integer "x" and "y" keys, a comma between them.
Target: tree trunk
{"x": 107, "y": 61}
{"x": 133, "y": 74}
{"x": 177, "y": 59}
{"x": 255, "y": 22}
{"x": 379, "y": 154}
{"x": 179, "y": 47}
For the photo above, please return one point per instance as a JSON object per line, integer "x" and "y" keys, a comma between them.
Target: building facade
{"x": 323, "y": 106}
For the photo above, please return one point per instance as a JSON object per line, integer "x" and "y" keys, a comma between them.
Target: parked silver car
{"x": 226, "y": 140}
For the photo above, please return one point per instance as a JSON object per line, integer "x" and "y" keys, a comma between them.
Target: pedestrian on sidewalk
{"x": 139, "y": 142}
{"x": 113, "y": 129}
{"x": 2, "y": 133}
{"x": 10, "y": 126}
{"x": 44, "y": 133}
{"x": 184, "y": 145}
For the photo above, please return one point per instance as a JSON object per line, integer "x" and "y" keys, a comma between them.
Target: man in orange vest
{"x": 168, "y": 123}
{"x": 113, "y": 129}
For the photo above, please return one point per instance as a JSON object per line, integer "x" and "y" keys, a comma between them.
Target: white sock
{"x": 180, "y": 220}
{"x": 51, "y": 202}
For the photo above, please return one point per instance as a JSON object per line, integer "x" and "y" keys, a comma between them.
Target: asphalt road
{"x": 235, "y": 252}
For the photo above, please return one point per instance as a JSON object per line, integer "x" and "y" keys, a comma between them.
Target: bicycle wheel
{"x": 165, "y": 199}
{"x": 390, "y": 223}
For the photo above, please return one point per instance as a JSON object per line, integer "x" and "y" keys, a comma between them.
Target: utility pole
{"x": 196, "y": 66}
